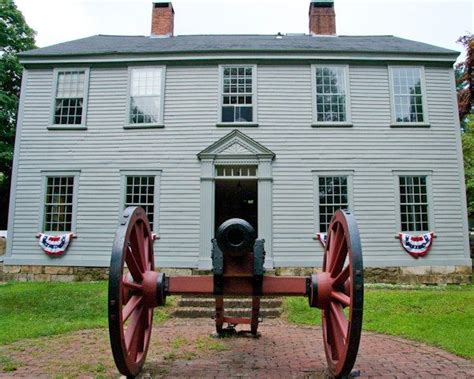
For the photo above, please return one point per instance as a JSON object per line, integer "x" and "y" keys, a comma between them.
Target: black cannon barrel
{"x": 236, "y": 237}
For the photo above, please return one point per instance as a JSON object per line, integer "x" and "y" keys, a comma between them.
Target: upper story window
{"x": 408, "y": 100}
{"x": 70, "y": 97}
{"x": 238, "y": 94}
{"x": 413, "y": 203}
{"x": 331, "y": 94}
{"x": 146, "y": 96}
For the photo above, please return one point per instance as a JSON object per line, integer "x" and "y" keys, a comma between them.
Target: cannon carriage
{"x": 238, "y": 257}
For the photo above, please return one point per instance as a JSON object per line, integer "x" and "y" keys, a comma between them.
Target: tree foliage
{"x": 465, "y": 78}
{"x": 468, "y": 150}
{"x": 15, "y": 36}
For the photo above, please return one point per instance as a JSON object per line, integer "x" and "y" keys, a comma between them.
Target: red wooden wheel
{"x": 341, "y": 293}
{"x": 132, "y": 294}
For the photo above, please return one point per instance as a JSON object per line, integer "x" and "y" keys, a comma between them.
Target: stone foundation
{"x": 430, "y": 275}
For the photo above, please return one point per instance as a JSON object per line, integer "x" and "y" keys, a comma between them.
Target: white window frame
{"x": 83, "y": 124}
{"x": 160, "y": 123}
{"x": 394, "y": 123}
{"x": 348, "y": 122}
{"x": 398, "y": 218}
{"x": 254, "y": 96}
{"x": 123, "y": 192}
{"x": 44, "y": 182}
{"x": 323, "y": 173}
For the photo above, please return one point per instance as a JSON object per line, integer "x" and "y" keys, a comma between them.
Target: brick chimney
{"x": 322, "y": 18}
{"x": 162, "y": 19}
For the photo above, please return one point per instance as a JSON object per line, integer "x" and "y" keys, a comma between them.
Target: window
{"x": 146, "y": 96}
{"x": 59, "y": 204}
{"x": 408, "y": 102}
{"x": 238, "y": 94}
{"x": 70, "y": 97}
{"x": 236, "y": 171}
{"x": 333, "y": 195}
{"x": 140, "y": 191}
{"x": 331, "y": 94}
{"x": 413, "y": 203}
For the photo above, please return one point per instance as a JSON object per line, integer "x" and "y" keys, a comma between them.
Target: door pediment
{"x": 236, "y": 144}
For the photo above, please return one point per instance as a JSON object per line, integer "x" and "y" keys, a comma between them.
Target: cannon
{"x": 238, "y": 257}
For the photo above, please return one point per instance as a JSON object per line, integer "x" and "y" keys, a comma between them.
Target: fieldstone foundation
{"x": 391, "y": 275}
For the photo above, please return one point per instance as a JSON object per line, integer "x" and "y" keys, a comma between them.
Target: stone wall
{"x": 392, "y": 275}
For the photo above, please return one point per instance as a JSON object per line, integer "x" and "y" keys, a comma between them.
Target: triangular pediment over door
{"x": 235, "y": 148}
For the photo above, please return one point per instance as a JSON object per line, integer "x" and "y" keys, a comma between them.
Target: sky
{"x": 439, "y": 22}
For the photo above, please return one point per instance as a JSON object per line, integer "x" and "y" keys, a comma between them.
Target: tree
{"x": 15, "y": 36}
{"x": 465, "y": 79}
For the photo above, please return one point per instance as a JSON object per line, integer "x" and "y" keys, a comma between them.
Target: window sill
{"x": 67, "y": 127}
{"x": 144, "y": 126}
{"x": 332, "y": 125}
{"x": 411, "y": 125}
{"x": 237, "y": 124}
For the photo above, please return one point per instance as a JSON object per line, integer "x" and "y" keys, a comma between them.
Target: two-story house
{"x": 278, "y": 129}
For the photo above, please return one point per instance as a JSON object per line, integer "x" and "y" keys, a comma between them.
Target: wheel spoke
{"x": 341, "y": 298}
{"x": 343, "y": 276}
{"x": 132, "y": 304}
{"x": 133, "y": 266}
{"x": 340, "y": 322}
{"x": 136, "y": 239}
{"x": 337, "y": 339}
{"x": 136, "y": 336}
{"x": 132, "y": 285}
{"x": 339, "y": 257}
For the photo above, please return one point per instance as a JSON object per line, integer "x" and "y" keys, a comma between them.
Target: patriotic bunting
{"x": 55, "y": 246}
{"x": 323, "y": 238}
{"x": 416, "y": 246}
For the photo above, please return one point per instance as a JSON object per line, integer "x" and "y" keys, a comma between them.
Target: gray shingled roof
{"x": 104, "y": 44}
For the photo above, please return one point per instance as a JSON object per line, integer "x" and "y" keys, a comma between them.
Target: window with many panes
{"x": 140, "y": 191}
{"x": 146, "y": 91}
{"x": 238, "y": 94}
{"x": 333, "y": 195}
{"x": 408, "y": 103}
{"x": 413, "y": 203}
{"x": 331, "y": 99}
{"x": 59, "y": 204}
{"x": 69, "y": 97}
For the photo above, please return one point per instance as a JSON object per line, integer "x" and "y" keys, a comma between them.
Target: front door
{"x": 236, "y": 198}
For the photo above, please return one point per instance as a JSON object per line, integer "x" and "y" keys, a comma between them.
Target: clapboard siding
{"x": 370, "y": 150}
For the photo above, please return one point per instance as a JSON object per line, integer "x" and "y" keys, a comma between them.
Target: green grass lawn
{"x": 30, "y": 310}
{"x": 442, "y": 317}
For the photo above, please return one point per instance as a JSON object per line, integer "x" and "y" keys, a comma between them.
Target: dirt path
{"x": 183, "y": 348}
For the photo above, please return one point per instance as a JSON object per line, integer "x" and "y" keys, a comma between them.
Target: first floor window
{"x": 333, "y": 195}
{"x": 69, "y": 101}
{"x": 237, "y": 94}
{"x": 59, "y": 203}
{"x": 331, "y": 94}
{"x": 140, "y": 191}
{"x": 145, "y": 95}
{"x": 413, "y": 203}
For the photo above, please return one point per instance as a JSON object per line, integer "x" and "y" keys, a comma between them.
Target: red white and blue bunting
{"x": 55, "y": 246}
{"x": 322, "y": 238}
{"x": 416, "y": 246}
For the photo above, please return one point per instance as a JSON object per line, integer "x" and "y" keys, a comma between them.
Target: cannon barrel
{"x": 236, "y": 237}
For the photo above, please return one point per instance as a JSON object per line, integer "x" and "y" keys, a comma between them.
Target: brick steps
{"x": 196, "y": 307}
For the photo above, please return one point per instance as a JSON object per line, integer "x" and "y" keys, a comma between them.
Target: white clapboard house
{"x": 280, "y": 130}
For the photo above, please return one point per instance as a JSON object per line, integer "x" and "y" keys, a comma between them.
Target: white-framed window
{"x": 237, "y": 94}
{"x": 141, "y": 188}
{"x": 146, "y": 96}
{"x": 236, "y": 171}
{"x": 408, "y": 95}
{"x": 331, "y": 98}
{"x": 59, "y": 201}
{"x": 414, "y": 203}
{"x": 333, "y": 191}
{"x": 70, "y": 97}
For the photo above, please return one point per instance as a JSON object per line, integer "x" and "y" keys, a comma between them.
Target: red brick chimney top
{"x": 162, "y": 19}
{"x": 322, "y": 18}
